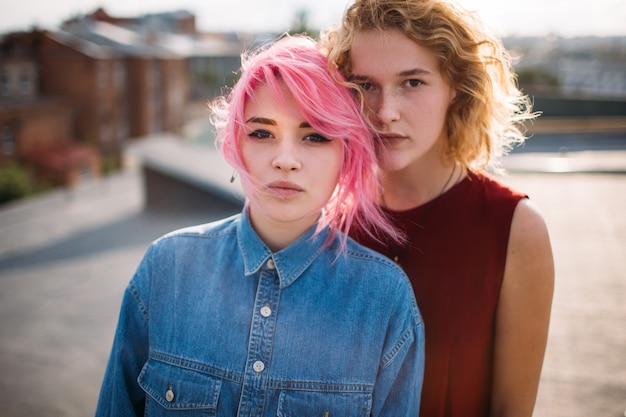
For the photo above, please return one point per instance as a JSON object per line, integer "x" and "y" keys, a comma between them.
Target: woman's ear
{"x": 453, "y": 95}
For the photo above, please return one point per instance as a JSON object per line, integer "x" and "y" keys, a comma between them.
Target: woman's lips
{"x": 392, "y": 138}
{"x": 284, "y": 189}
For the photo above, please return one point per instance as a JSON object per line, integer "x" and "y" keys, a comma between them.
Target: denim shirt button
{"x": 266, "y": 311}
{"x": 169, "y": 395}
{"x": 258, "y": 366}
{"x": 271, "y": 264}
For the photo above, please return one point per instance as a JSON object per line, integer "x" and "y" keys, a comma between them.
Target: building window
{"x": 8, "y": 141}
{"x": 26, "y": 82}
{"x": 119, "y": 76}
{"x": 102, "y": 72}
{"x": 5, "y": 84}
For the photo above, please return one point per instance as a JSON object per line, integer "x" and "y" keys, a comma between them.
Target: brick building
{"x": 36, "y": 130}
{"x": 71, "y": 100}
{"x": 146, "y": 83}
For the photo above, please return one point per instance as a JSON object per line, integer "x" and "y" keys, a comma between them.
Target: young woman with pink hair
{"x": 275, "y": 311}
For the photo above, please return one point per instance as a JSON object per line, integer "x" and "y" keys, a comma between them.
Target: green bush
{"x": 537, "y": 76}
{"x": 15, "y": 182}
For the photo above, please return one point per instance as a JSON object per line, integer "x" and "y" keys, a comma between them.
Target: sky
{"x": 567, "y": 18}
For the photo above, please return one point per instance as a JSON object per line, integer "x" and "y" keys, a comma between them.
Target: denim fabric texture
{"x": 215, "y": 324}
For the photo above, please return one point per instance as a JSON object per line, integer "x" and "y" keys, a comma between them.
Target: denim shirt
{"x": 215, "y": 324}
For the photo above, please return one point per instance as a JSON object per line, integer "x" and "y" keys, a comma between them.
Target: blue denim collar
{"x": 290, "y": 262}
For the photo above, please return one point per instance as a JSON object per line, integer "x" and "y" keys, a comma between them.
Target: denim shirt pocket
{"x": 173, "y": 388}
{"x": 324, "y": 404}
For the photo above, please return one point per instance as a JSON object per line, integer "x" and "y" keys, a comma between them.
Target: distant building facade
{"x": 85, "y": 89}
{"x": 144, "y": 87}
{"x": 103, "y": 80}
{"x": 586, "y": 67}
{"x": 593, "y": 78}
{"x": 36, "y": 129}
{"x": 213, "y": 59}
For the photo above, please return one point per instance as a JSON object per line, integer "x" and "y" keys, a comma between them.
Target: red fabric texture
{"x": 456, "y": 264}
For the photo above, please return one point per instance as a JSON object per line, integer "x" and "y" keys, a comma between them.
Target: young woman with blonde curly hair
{"x": 442, "y": 94}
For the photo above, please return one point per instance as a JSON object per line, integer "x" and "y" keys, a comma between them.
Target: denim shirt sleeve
{"x": 120, "y": 393}
{"x": 399, "y": 384}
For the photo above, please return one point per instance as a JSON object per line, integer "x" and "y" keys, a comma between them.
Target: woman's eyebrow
{"x": 356, "y": 77}
{"x": 266, "y": 121}
{"x": 261, "y": 120}
{"x": 405, "y": 73}
{"x": 414, "y": 71}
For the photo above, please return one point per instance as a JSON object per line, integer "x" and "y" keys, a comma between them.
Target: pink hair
{"x": 330, "y": 108}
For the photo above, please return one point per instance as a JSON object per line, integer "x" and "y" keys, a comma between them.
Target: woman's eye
{"x": 316, "y": 137}
{"x": 260, "y": 134}
{"x": 414, "y": 83}
{"x": 365, "y": 86}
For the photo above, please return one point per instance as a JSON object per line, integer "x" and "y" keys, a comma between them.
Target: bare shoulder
{"x": 529, "y": 262}
{"x": 523, "y": 313}
{"x": 529, "y": 232}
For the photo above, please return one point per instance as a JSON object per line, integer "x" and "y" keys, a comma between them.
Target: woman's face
{"x": 405, "y": 93}
{"x": 294, "y": 169}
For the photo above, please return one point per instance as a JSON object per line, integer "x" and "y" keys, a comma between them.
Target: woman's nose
{"x": 286, "y": 158}
{"x": 388, "y": 110}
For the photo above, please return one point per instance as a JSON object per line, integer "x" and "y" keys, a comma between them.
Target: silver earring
{"x": 232, "y": 177}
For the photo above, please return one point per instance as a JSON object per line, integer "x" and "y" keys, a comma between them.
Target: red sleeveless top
{"x": 456, "y": 264}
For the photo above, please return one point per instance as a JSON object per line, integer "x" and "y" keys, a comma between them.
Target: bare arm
{"x": 523, "y": 315}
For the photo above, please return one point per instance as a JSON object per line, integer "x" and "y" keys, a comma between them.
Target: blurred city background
{"x": 105, "y": 145}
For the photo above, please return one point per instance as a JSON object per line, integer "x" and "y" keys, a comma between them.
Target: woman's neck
{"x": 276, "y": 234}
{"x": 418, "y": 184}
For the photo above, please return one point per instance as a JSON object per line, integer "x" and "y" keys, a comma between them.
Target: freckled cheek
{"x": 371, "y": 108}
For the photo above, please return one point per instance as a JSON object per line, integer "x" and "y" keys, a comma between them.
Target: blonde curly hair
{"x": 487, "y": 117}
